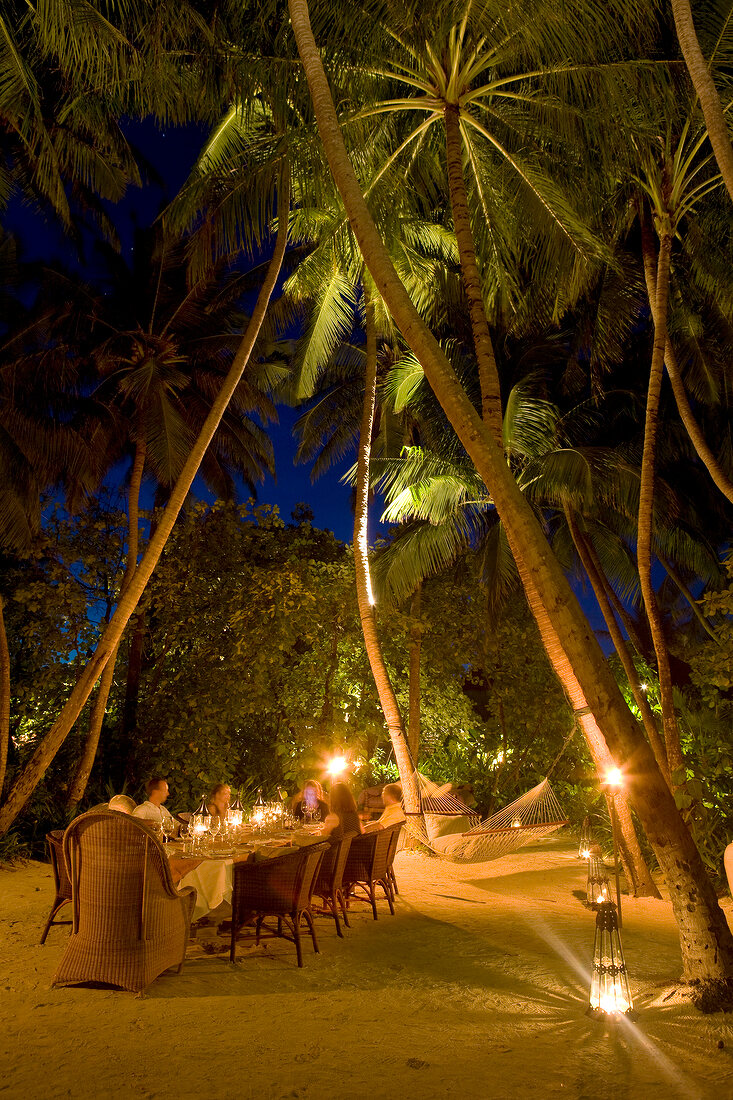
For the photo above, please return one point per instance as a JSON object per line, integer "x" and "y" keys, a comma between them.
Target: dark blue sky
{"x": 170, "y": 154}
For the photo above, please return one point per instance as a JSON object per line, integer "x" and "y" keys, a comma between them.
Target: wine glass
{"x": 169, "y": 827}
{"x": 214, "y": 829}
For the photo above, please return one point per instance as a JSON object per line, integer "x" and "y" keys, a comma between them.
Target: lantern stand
{"x": 609, "y": 988}
{"x": 236, "y": 812}
{"x": 597, "y": 889}
{"x": 584, "y": 844}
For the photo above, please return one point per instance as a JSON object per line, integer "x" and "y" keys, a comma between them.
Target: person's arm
{"x": 332, "y": 822}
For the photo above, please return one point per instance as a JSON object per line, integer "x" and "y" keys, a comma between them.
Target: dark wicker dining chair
{"x": 61, "y": 881}
{"x": 391, "y": 853}
{"x": 367, "y": 866}
{"x": 278, "y": 887}
{"x": 129, "y": 921}
{"x": 329, "y": 883}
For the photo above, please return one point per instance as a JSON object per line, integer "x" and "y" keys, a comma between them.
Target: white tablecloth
{"x": 728, "y": 860}
{"x": 212, "y": 878}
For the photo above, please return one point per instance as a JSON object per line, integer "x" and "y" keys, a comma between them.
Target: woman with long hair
{"x": 343, "y": 817}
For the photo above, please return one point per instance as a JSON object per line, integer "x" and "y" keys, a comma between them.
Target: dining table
{"x": 210, "y": 869}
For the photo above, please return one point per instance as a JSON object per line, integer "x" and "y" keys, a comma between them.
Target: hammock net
{"x": 452, "y": 830}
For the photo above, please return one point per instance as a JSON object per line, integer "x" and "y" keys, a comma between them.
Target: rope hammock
{"x": 452, "y": 830}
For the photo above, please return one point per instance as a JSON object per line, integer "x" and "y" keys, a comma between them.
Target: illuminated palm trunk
{"x": 706, "y": 940}
{"x": 99, "y": 708}
{"x": 646, "y": 510}
{"x": 26, "y": 783}
{"x": 364, "y": 595}
{"x": 4, "y": 698}
{"x": 699, "y": 71}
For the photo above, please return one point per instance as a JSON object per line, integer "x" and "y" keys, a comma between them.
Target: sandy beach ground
{"x": 477, "y": 987}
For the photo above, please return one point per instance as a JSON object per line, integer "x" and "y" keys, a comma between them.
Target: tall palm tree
{"x": 707, "y": 944}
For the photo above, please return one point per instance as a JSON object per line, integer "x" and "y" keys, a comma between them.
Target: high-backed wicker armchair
{"x": 367, "y": 865}
{"x": 129, "y": 921}
{"x": 329, "y": 883}
{"x": 60, "y": 878}
{"x": 279, "y": 887}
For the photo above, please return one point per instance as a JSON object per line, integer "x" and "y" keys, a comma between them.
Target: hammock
{"x": 452, "y": 830}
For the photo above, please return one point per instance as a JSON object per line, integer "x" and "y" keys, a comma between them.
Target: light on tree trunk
{"x": 609, "y": 987}
{"x": 614, "y": 777}
{"x": 336, "y": 766}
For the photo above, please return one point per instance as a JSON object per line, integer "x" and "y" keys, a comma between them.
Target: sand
{"x": 477, "y": 988}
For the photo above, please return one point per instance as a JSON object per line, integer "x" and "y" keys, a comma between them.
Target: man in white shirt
{"x": 392, "y": 813}
{"x": 153, "y": 810}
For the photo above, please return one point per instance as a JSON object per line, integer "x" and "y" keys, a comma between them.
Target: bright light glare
{"x": 613, "y": 1004}
{"x": 337, "y": 765}
{"x": 614, "y": 777}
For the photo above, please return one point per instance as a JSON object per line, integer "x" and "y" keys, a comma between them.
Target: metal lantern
{"x": 236, "y": 812}
{"x": 585, "y": 842}
{"x": 259, "y": 810}
{"x": 200, "y": 819}
{"x": 609, "y": 987}
{"x": 597, "y": 889}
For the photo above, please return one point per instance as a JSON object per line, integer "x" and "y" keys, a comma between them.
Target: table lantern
{"x": 259, "y": 810}
{"x": 609, "y": 987}
{"x": 597, "y": 888}
{"x": 236, "y": 813}
{"x": 200, "y": 819}
{"x": 584, "y": 844}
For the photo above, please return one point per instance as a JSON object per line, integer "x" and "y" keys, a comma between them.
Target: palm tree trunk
{"x": 706, "y": 940}
{"x": 96, "y": 718}
{"x": 483, "y": 345}
{"x": 707, "y": 93}
{"x": 589, "y": 560}
{"x": 32, "y": 774}
{"x": 4, "y": 697}
{"x": 646, "y": 498}
{"x": 413, "y": 720}
{"x": 364, "y": 596}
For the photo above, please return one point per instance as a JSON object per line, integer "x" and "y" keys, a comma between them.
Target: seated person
{"x": 122, "y": 803}
{"x": 343, "y": 817}
{"x": 310, "y": 799}
{"x": 218, "y": 801}
{"x": 370, "y": 803}
{"x": 393, "y": 812}
{"x": 152, "y": 810}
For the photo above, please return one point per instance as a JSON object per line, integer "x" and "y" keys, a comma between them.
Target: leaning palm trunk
{"x": 646, "y": 499}
{"x": 4, "y": 698}
{"x": 96, "y": 718}
{"x": 589, "y": 560}
{"x": 364, "y": 596}
{"x": 707, "y": 93}
{"x": 32, "y": 774}
{"x": 706, "y": 940}
{"x": 636, "y": 869}
{"x": 415, "y": 644}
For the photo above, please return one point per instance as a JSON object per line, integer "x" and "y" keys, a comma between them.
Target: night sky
{"x": 170, "y": 153}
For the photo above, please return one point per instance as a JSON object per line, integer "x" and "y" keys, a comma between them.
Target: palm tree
{"x": 46, "y": 750}
{"x": 699, "y": 70}
{"x": 707, "y": 944}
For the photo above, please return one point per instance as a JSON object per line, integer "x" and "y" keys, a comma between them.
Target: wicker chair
{"x": 279, "y": 887}
{"x": 367, "y": 865}
{"x": 129, "y": 921}
{"x": 60, "y": 878}
{"x": 391, "y": 853}
{"x": 329, "y": 883}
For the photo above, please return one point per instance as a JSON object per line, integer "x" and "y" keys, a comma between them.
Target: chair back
{"x": 282, "y": 884}
{"x": 54, "y": 845}
{"x": 120, "y": 878}
{"x": 394, "y": 839}
{"x": 331, "y": 871}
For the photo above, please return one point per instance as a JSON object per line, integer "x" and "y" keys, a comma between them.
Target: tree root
{"x": 713, "y": 996}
